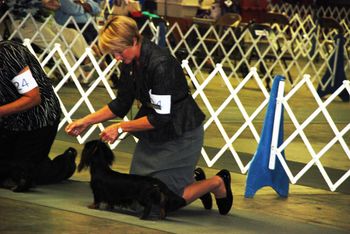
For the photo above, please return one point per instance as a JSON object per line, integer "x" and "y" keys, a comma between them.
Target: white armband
{"x": 24, "y": 82}
{"x": 160, "y": 103}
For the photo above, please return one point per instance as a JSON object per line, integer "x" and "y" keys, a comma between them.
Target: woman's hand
{"x": 110, "y": 134}
{"x": 51, "y": 4}
{"x": 76, "y": 128}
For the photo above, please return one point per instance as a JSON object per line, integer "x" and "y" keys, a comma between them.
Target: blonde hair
{"x": 117, "y": 34}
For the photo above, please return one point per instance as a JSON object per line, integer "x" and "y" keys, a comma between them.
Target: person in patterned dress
{"x": 29, "y": 117}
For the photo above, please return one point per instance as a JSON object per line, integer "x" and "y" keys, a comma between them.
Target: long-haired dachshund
{"x": 114, "y": 188}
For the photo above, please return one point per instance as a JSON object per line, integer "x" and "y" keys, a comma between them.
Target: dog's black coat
{"x": 116, "y": 188}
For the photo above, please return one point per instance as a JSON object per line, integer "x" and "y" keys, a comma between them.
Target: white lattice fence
{"x": 338, "y": 13}
{"x": 100, "y": 81}
{"x": 44, "y": 35}
{"x": 214, "y": 117}
{"x": 288, "y": 51}
{"x": 315, "y": 156}
{"x": 272, "y": 52}
{"x": 229, "y": 139}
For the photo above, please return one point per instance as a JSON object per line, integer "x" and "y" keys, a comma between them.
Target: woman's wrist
{"x": 86, "y": 121}
{"x": 120, "y": 129}
{"x": 125, "y": 126}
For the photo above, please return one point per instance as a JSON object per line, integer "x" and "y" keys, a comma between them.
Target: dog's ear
{"x": 89, "y": 150}
{"x": 107, "y": 153}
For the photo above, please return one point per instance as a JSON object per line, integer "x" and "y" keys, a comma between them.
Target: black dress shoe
{"x": 225, "y": 204}
{"x": 206, "y": 198}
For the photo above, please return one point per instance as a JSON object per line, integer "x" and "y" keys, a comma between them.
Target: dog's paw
{"x": 146, "y": 212}
{"x": 162, "y": 214}
{"x": 8, "y": 183}
{"x": 144, "y": 216}
{"x": 94, "y": 206}
{"x": 22, "y": 186}
{"x": 109, "y": 207}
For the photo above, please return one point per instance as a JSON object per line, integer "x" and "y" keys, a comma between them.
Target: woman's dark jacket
{"x": 159, "y": 72}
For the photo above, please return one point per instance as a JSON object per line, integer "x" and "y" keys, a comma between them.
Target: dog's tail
{"x": 81, "y": 166}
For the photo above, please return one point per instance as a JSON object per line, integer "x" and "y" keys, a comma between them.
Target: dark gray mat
{"x": 74, "y": 196}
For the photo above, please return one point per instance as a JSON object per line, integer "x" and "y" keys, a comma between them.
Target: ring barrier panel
{"x": 83, "y": 93}
{"x": 245, "y": 43}
{"x": 37, "y": 34}
{"x": 108, "y": 8}
{"x": 242, "y": 46}
{"x": 214, "y": 114}
{"x": 304, "y": 10}
{"x": 56, "y": 68}
{"x": 101, "y": 59}
{"x": 300, "y": 127}
{"x": 209, "y": 52}
{"x": 307, "y": 13}
{"x": 299, "y": 131}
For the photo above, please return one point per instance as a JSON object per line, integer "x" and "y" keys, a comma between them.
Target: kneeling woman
{"x": 169, "y": 123}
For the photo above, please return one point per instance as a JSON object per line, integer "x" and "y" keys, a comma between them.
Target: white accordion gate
{"x": 302, "y": 62}
{"x": 306, "y": 82}
{"x": 214, "y": 113}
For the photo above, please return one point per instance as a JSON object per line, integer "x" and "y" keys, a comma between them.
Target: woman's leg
{"x": 213, "y": 185}
{"x": 219, "y": 185}
{"x": 23, "y": 151}
{"x": 30, "y": 152}
{"x": 6, "y": 158}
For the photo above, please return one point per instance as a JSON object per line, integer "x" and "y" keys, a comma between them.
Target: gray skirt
{"x": 172, "y": 162}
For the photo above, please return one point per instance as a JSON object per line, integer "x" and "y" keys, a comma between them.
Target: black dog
{"x": 116, "y": 188}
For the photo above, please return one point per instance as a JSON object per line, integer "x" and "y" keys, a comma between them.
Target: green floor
{"x": 62, "y": 208}
{"x": 310, "y": 207}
